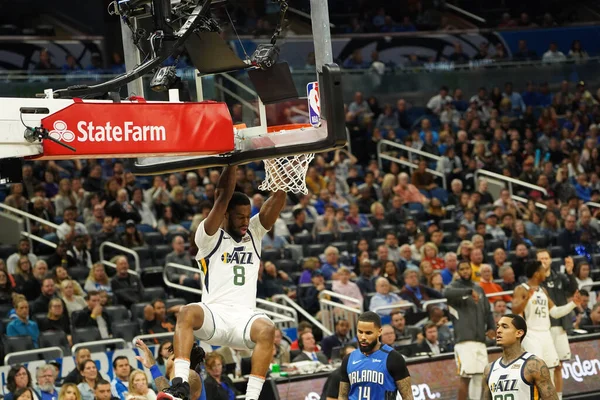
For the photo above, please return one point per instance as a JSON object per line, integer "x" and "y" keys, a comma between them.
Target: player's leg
{"x": 262, "y": 333}
{"x": 190, "y": 318}
{"x": 463, "y": 388}
{"x": 563, "y": 349}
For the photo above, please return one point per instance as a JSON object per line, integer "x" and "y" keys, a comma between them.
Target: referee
{"x": 374, "y": 371}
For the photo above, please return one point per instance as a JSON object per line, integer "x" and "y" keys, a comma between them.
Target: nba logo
{"x": 314, "y": 104}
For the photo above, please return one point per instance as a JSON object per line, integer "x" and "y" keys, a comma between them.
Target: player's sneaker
{"x": 179, "y": 390}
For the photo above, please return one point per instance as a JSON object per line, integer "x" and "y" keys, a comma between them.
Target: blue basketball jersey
{"x": 369, "y": 375}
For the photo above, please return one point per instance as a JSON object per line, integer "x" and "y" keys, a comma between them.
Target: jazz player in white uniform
{"x": 532, "y": 301}
{"x": 229, "y": 244}
{"x": 517, "y": 375}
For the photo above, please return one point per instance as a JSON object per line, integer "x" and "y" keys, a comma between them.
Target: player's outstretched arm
{"x": 405, "y": 388}
{"x": 538, "y": 374}
{"x": 271, "y": 209}
{"x": 223, "y": 193}
{"x": 520, "y": 297}
{"x": 485, "y": 389}
{"x": 344, "y": 390}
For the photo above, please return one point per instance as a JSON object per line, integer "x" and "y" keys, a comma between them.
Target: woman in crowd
{"x": 25, "y": 394}
{"x": 217, "y": 385}
{"x": 131, "y": 237}
{"x": 426, "y": 270}
{"x": 17, "y": 380}
{"x": 6, "y": 289}
{"x": 60, "y": 275}
{"x": 138, "y": 386}
{"x": 97, "y": 279}
{"x": 416, "y": 246}
{"x": 4, "y": 268}
{"x": 390, "y": 271}
{"x": 582, "y": 275}
{"x": 65, "y": 197}
{"x": 429, "y": 252}
{"x": 164, "y": 352}
{"x": 69, "y": 391}
{"x": 72, "y": 301}
{"x": 25, "y": 281}
{"x": 56, "y": 319}
{"x": 89, "y": 379}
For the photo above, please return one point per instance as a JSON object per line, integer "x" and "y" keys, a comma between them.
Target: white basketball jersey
{"x": 506, "y": 382}
{"x": 229, "y": 269}
{"x": 537, "y": 313}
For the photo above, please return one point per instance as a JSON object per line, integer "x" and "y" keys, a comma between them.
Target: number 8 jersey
{"x": 229, "y": 269}
{"x": 373, "y": 376}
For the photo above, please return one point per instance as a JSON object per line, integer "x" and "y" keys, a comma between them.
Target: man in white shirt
{"x": 24, "y": 249}
{"x": 70, "y": 227}
{"x": 553, "y": 55}
{"x": 435, "y": 104}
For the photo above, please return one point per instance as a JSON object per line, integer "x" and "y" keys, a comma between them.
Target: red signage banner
{"x": 98, "y": 130}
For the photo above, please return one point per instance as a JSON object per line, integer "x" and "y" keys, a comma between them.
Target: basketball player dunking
{"x": 532, "y": 301}
{"x": 229, "y": 244}
{"x": 517, "y": 375}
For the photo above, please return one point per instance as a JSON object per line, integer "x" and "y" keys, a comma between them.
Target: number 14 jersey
{"x": 229, "y": 269}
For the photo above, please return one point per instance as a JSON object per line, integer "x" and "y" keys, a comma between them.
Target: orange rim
{"x": 287, "y": 127}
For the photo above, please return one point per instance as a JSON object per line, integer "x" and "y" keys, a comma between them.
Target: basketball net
{"x": 287, "y": 174}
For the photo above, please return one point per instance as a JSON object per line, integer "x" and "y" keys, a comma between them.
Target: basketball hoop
{"x": 287, "y": 173}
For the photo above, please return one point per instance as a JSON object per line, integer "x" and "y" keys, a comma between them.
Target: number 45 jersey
{"x": 229, "y": 269}
{"x": 374, "y": 376}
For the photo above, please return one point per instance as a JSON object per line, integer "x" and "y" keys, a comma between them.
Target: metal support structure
{"x": 508, "y": 180}
{"x": 396, "y": 306}
{"x": 319, "y": 15}
{"x": 382, "y": 156}
{"x": 135, "y": 255}
{"x": 132, "y": 59}
{"x": 102, "y": 342}
{"x": 282, "y": 298}
{"x": 28, "y": 218}
{"x": 332, "y": 311}
{"x": 35, "y": 354}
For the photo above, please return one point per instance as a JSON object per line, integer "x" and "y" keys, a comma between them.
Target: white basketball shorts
{"x": 561, "y": 343}
{"x": 540, "y": 344}
{"x": 471, "y": 358}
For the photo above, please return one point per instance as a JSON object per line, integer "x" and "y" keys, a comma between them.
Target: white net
{"x": 287, "y": 173}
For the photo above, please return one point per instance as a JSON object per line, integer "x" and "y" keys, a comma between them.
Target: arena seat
{"x": 341, "y": 246}
{"x": 325, "y": 237}
{"x": 13, "y": 344}
{"x": 176, "y": 301}
{"x": 87, "y": 334}
{"x": 314, "y": 250}
{"x": 55, "y": 338}
{"x": 153, "y": 238}
{"x": 270, "y": 255}
{"x": 126, "y": 330}
{"x": 153, "y": 293}
{"x": 289, "y": 266}
{"x": 117, "y": 313}
{"x": 303, "y": 239}
{"x": 366, "y": 233}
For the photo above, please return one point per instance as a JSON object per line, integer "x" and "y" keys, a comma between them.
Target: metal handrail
{"x": 427, "y": 303}
{"x": 593, "y": 284}
{"x": 509, "y": 180}
{"x": 395, "y": 306}
{"x": 341, "y": 297}
{"x": 135, "y": 255}
{"x": 383, "y": 156}
{"x": 592, "y": 204}
{"x": 524, "y": 200}
{"x": 285, "y": 309}
{"x": 28, "y": 218}
{"x": 153, "y": 336}
{"x": 177, "y": 285}
{"x": 503, "y": 293}
{"x": 408, "y": 149}
{"x": 98, "y": 342}
{"x": 296, "y": 306}
{"x": 36, "y": 351}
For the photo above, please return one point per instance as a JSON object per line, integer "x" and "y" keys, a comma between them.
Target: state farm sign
{"x": 139, "y": 129}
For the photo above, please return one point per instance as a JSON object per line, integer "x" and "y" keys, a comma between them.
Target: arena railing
{"x": 136, "y": 257}
{"x": 50, "y": 353}
{"x": 28, "y": 218}
{"x": 395, "y": 307}
{"x": 165, "y": 335}
{"x": 509, "y": 181}
{"x": 382, "y": 156}
{"x": 332, "y": 311}
{"x": 283, "y": 316}
{"x": 103, "y": 342}
{"x": 428, "y": 303}
{"x": 524, "y": 200}
{"x": 282, "y": 298}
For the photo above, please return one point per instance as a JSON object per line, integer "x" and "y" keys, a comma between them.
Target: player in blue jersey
{"x": 374, "y": 371}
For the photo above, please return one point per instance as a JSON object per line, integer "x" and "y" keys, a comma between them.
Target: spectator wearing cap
{"x": 132, "y": 237}
{"x": 383, "y": 297}
{"x": 309, "y": 299}
{"x": 344, "y": 286}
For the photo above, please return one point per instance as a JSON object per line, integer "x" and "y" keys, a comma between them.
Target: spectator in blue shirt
{"x": 332, "y": 263}
{"x": 120, "y": 383}
{"x": 22, "y": 326}
{"x": 383, "y": 297}
{"x": 46, "y": 376}
{"x": 530, "y": 96}
{"x": 450, "y": 262}
{"x": 515, "y": 98}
